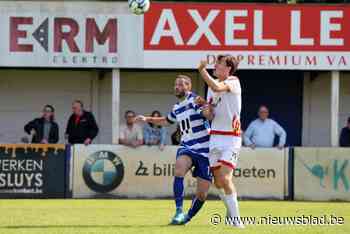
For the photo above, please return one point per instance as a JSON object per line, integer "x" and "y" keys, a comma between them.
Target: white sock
{"x": 232, "y": 205}
{"x": 223, "y": 199}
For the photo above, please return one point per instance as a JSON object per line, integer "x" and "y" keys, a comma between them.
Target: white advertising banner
{"x": 321, "y": 174}
{"x": 146, "y": 172}
{"x": 60, "y": 34}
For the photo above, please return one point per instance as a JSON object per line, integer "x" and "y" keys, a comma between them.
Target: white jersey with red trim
{"x": 226, "y": 127}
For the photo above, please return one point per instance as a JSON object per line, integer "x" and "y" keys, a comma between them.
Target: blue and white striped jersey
{"x": 193, "y": 125}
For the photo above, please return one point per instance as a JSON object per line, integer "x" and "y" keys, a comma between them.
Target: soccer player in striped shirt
{"x": 193, "y": 150}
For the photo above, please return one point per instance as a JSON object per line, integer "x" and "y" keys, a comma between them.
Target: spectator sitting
{"x": 44, "y": 130}
{"x": 154, "y": 135}
{"x": 344, "y": 140}
{"x": 261, "y": 132}
{"x": 176, "y": 136}
{"x": 81, "y": 127}
{"x": 131, "y": 133}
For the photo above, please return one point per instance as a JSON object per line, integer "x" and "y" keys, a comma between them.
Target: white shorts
{"x": 224, "y": 150}
{"x": 223, "y": 156}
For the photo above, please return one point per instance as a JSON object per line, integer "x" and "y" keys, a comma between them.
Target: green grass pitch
{"x": 152, "y": 216}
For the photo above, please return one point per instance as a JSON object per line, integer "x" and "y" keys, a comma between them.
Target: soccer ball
{"x": 139, "y": 7}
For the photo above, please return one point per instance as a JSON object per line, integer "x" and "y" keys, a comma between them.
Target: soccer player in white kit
{"x": 224, "y": 96}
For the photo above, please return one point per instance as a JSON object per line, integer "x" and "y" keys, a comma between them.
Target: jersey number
{"x": 185, "y": 126}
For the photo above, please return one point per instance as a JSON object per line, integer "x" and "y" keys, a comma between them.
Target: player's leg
{"x": 216, "y": 174}
{"x": 224, "y": 178}
{"x": 199, "y": 199}
{"x": 230, "y": 194}
{"x": 182, "y": 166}
{"x": 215, "y": 155}
{"x": 204, "y": 177}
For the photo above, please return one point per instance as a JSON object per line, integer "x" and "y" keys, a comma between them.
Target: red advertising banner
{"x": 260, "y": 35}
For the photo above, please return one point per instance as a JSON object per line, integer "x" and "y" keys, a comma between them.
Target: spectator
{"x": 44, "y": 130}
{"x": 344, "y": 140}
{"x": 131, "y": 133}
{"x": 261, "y": 132}
{"x": 81, "y": 127}
{"x": 176, "y": 136}
{"x": 154, "y": 135}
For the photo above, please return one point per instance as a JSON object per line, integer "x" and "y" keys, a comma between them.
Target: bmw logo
{"x": 103, "y": 171}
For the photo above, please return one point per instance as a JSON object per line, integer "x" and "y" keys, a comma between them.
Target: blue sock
{"x": 196, "y": 206}
{"x": 179, "y": 192}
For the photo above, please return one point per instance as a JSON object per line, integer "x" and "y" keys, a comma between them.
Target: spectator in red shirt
{"x": 81, "y": 127}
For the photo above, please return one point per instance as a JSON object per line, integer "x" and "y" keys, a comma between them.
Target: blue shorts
{"x": 200, "y": 164}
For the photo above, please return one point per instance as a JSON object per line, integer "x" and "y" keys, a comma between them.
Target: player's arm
{"x": 206, "y": 109}
{"x": 211, "y": 82}
{"x": 208, "y": 112}
{"x": 160, "y": 121}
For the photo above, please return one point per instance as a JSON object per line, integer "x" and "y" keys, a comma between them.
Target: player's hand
{"x": 208, "y": 112}
{"x": 140, "y": 118}
{"x": 200, "y": 101}
{"x": 202, "y": 65}
{"x": 44, "y": 141}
